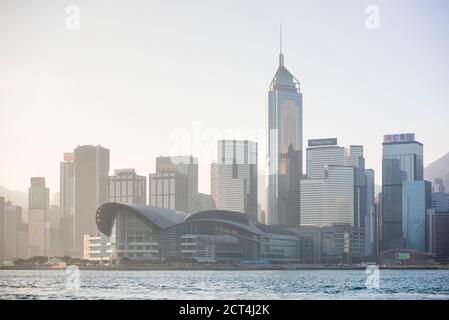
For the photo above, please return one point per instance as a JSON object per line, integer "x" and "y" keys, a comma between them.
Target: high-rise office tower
{"x": 67, "y": 184}
{"x": 322, "y": 157}
{"x": 234, "y": 177}
{"x": 438, "y": 234}
{"x": 91, "y": 167}
{"x": 67, "y": 202}
{"x": 38, "y": 210}
{"x": 416, "y": 200}
{"x": 13, "y": 220}
{"x": 402, "y": 162}
{"x": 174, "y": 183}
{"x": 22, "y": 241}
{"x": 440, "y": 201}
{"x": 125, "y": 186}
{"x": 370, "y": 217}
{"x": 354, "y": 158}
{"x": 54, "y": 228}
{"x": 169, "y": 190}
{"x": 186, "y": 165}
{"x": 330, "y": 200}
{"x": 2, "y": 230}
{"x": 379, "y": 223}
{"x": 284, "y": 148}
{"x": 438, "y": 227}
{"x": 322, "y": 153}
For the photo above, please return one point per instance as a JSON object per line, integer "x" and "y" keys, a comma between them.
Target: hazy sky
{"x": 149, "y": 78}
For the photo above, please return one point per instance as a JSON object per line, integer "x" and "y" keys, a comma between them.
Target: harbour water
{"x": 248, "y": 284}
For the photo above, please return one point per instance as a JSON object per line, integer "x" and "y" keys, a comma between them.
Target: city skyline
{"x": 206, "y": 150}
{"x": 56, "y": 76}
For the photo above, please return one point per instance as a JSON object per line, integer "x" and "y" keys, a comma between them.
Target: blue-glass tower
{"x": 284, "y": 148}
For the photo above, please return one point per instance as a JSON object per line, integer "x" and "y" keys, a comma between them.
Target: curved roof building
{"x": 158, "y": 218}
{"x": 143, "y": 232}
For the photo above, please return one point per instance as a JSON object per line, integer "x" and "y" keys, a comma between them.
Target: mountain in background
{"x": 438, "y": 169}
{"x": 16, "y": 197}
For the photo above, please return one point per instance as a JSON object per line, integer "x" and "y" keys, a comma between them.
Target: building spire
{"x": 281, "y": 54}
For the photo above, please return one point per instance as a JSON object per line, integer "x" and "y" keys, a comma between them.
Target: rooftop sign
{"x": 323, "y": 142}
{"x": 399, "y": 137}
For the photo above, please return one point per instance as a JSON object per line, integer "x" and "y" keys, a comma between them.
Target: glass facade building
{"x": 416, "y": 200}
{"x": 402, "y": 162}
{"x": 330, "y": 244}
{"x": 438, "y": 234}
{"x": 149, "y": 233}
{"x": 67, "y": 185}
{"x": 354, "y": 157}
{"x": 185, "y": 165}
{"x": 234, "y": 177}
{"x": 67, "y": 202}
{"x": 335, "y": 191}
{"x": 440, "y": 201}
{"x": 285, "y": 134}
{"x": 370, "y": 217}
{"x": 318, "y": 158}
{"x": 175, "y": 182}
{"x": 329, "y": 201}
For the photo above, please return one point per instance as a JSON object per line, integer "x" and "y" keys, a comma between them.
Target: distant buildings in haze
{"x": 91, "y": 166}
{"x": 234, "y": 177}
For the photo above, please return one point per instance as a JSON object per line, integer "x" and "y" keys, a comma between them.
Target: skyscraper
{"x": 284, "y": 147}
{"x": 169, "y": 190}
{"x": 22, "y": 241}
{"x": 329, "y": 201}
{"x": 416, "y": 200}
{"x": 38, "y": 207}
{"x": 67, "y": 184}
{"x": 13, "y": 220}
{"x": 186, "y": 165}
{"x": 379, "y": 223}
{"x": 174, "y": 183}
{"x": 54, "y": 228}
{"x": 438, "y": 227}
{"x": 234, "y": 177}
{"x": 440, "y": 201}
{"x": 402, "y": 162}
{"x": 323, "y": 157}
{"x": 127, "y": 187}
{"x": 322, "y": 153}
{"x": 370, "y": 218}
{"x": 354, "y": 157}
{"x": 2, "y": 229}
{"x": 91, "y": 167}
{"x": 67, "y": 202}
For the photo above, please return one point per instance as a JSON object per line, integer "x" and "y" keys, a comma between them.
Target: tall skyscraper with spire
{"x": 284, "y": 147}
